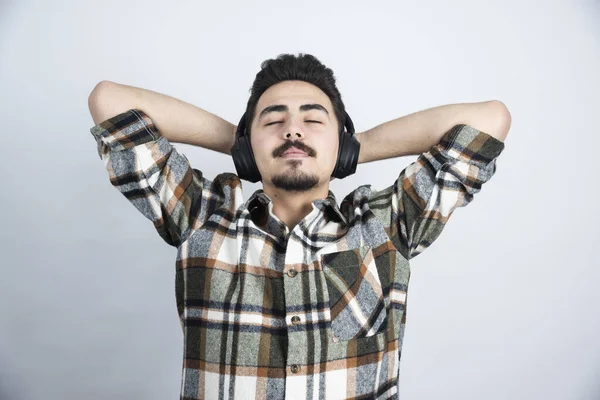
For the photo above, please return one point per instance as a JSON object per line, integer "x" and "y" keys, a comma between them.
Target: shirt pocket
{"x": 356, "y": 298}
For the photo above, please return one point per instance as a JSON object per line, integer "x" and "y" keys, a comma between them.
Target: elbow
{"x": 95, "y": 101}
{"x": 108, "y": 99}
{"x": 503, "y": 119}
{"x": 100, "y": 87}
{"x": 504, "y": 116}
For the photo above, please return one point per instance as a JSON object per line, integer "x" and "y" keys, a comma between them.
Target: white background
{"x": 504, "y": 305}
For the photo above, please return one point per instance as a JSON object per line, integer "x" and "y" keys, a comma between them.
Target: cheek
{"x": 258, "y": 147}
{"x": 332, "y": 153}
{"x": 334, "y": 149}
{"x": 263, "y": 152}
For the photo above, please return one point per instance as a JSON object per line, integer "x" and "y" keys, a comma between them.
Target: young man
{"x": 288, "y": 294}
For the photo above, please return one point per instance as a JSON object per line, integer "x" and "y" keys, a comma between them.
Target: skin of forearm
{"x": 175, "y": 119}
{"x": 416, "y": 133}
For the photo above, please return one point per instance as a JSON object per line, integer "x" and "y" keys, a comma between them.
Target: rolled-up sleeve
{"x": 157, "y": 179}
{"x": 419, "y": 203}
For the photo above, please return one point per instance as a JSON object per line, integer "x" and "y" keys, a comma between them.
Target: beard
{"x": 295, "y": 180}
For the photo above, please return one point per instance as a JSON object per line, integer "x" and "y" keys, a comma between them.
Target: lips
{"x": 294, "y": 151}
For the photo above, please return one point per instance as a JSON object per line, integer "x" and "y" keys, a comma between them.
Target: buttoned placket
{"x": 294, "y": 251}
{"x": 292, "y": 278}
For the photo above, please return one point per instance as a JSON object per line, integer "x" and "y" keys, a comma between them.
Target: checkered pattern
{"x": 317, "y": 312}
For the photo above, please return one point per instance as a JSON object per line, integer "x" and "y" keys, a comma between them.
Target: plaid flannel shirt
{"x": 317, "y": 312}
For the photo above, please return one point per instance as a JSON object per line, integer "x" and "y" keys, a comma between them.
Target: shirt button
{"x": 292, "y": 273}
{"x": 295, "y": 320}
{"x": 295, "y": 368}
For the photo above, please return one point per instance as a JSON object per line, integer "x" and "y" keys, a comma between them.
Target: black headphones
{"x": 347, "y": 159}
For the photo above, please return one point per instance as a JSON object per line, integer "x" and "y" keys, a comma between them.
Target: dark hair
{"x": 287, "y": 67}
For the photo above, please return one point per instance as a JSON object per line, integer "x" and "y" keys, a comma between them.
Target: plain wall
{"x": 504, "y": 305}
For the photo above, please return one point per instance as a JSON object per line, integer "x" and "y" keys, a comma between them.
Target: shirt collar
{"x": 261, "y": 200}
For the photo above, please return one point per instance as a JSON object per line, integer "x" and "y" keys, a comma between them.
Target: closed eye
{"x": 278, "y": 122}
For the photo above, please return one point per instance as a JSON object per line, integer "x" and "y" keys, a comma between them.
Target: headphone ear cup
{"x": 338, "y": 162}
{"x": 244, "y": 161}
{"x": 253, "y": 173}
{"x": 242, "y": 155}
{"x": 348, "y": 151}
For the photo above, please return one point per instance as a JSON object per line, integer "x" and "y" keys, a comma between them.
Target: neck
{"x": 292, "y": 207}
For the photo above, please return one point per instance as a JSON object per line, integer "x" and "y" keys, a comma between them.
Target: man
{"x": 288, "y": 294}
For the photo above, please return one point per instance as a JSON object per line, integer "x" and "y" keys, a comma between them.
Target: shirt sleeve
{"x": 416, "y": 207}
{"x": 157, "y": 179}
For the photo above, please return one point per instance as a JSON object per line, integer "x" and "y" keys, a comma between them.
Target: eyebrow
{"x": 284, "y": 108}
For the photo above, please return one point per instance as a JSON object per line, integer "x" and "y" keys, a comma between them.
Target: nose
{"x": 293, "y": 131}
{"x": 297, "y": 135}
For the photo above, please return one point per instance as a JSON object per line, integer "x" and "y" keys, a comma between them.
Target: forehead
{"x": 293, "y": 93}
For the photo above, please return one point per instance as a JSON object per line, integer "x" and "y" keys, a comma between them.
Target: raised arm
{"x": 416, "y": 133}
{"x": 133, "y": 132}
{"x": 459, "y": 143}
{"x": 176, "y": 120}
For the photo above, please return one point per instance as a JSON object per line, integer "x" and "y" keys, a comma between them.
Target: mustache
{"x": 299, "y": 145}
